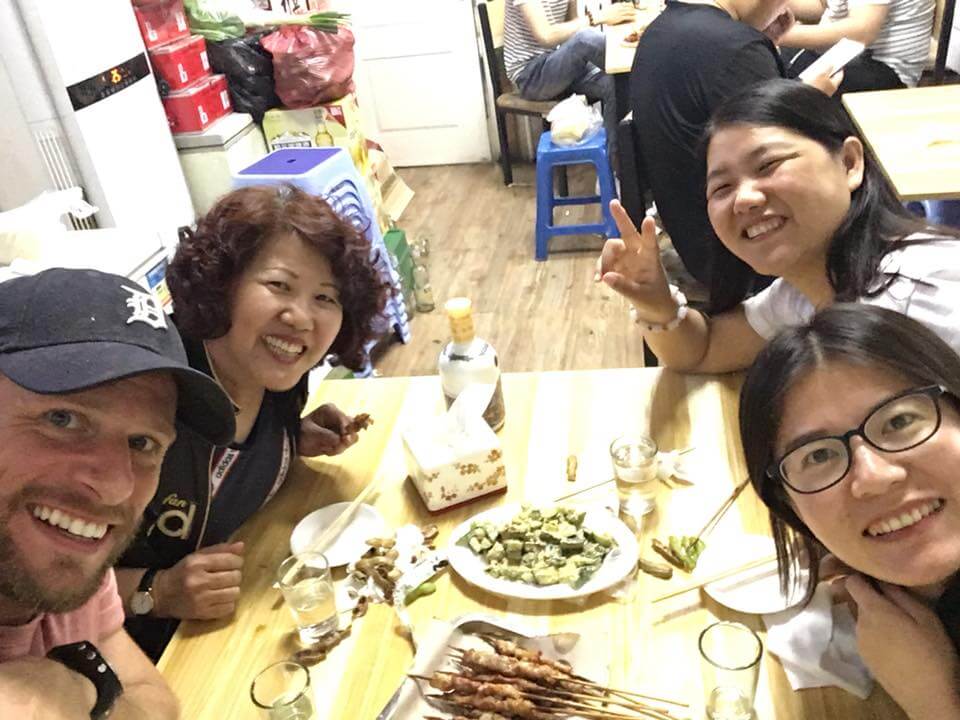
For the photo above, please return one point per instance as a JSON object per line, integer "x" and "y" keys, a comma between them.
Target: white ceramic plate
{"x": 350, "y": 544}
{"x": 619, "y": 563}
{"x": 755, "y": 591}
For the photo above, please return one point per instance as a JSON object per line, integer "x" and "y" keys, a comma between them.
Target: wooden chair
{"x": 942, "y": 27}
{"x": 507, "y": 101}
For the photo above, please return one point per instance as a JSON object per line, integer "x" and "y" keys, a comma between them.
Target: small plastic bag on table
{"x": 572, "y": 121}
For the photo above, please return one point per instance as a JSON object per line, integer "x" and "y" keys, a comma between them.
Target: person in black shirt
{"x": 271, "y": 281}
{"x": 851, "y": 434}
{"x": 691, "y": 58}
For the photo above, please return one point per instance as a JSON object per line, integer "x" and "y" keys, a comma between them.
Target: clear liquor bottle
{"x": 468, "y": 359}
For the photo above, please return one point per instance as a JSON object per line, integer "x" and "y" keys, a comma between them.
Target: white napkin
{"x": 817, "y": 646}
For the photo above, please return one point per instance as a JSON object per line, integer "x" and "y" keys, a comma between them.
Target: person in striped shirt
{"x": 896, "y": 33}
{"x": 550, "y": 52}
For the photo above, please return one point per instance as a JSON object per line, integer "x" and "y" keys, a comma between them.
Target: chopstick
{"x": 727, "y": 504}
{"x": 343, "y": 519}
{"x": 714, "y": 578}
{"x": 337, "y": 526}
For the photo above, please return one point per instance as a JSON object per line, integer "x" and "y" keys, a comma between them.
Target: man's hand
{"x": 204, "y": 585}
{"x": 631, "y": 265}
{"x": 325, "y": 431}
{"x": 616, "y": 14}
{"x": 905, "y": 646}
{"x": 34, "y": 688}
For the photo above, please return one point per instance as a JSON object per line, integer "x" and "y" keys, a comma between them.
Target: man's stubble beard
{"x": 19, "y": 585}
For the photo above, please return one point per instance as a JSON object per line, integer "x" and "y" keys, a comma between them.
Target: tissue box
{"x": 446, "y": 475}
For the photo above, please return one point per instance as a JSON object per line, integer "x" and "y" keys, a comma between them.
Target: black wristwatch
{"x": 142, "y": 601}
{"x": 84, "y": 658}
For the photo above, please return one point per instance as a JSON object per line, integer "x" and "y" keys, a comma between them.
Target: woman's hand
{"x": 325, "y": 431}
{"x": 631, "y": 265}
{"x": 616, "y": 14}
{"x": 204, "y": 585}
{"x": 905, "y": 646}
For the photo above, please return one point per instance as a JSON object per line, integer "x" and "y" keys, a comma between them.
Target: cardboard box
{"x": 335, "y": 123}
{"x": 160, "y": 21}
{"x": 197, "y": 107}
{"x": 395, "y": 193}
{"x": 181, "y": 62}
{"x": 448, "y": 470}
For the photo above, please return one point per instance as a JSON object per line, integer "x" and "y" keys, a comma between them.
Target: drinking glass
{"x": 307, "y": 588}
{"x": 282, "y": 692}
{"x": 635, "y": 468}
{"x": 730, "y": 662}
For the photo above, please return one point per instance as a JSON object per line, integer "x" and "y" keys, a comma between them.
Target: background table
{"x": 549, "y": 416}
{"x": 619, "y": 57}
{"x": 915, "y": 134}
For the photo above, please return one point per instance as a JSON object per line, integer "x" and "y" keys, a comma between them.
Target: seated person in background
{"x": 91, "y": 380}
{"x": 896, "y": 33}
{"x": 692, "y": 57}
{"x": 851, "y": 433}
{"x": 548, "y": 56}
{"x": 271, "y": 281}
{"x": 792, "y": 193}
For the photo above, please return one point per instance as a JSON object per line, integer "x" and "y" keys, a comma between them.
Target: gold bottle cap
{"x": 460, "y": 312}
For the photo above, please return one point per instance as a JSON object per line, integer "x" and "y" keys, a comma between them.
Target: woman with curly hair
{"x": 269, "y": 283}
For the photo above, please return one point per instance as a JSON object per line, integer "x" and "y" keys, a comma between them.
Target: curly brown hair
{"x": 211, "y": 258}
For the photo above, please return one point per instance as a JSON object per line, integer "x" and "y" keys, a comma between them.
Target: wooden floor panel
{"x": 538, "y": 315}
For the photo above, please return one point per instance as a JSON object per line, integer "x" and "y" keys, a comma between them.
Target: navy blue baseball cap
{"x": 64, "y": 330}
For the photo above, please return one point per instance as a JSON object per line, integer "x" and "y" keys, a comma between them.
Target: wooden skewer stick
{"x": 580, "y": 680}
{"x": 605, "y": 482}
{"x": 714, "y": 578}
{"x": 591, "y": 713}
{"x": 599, "y": 699}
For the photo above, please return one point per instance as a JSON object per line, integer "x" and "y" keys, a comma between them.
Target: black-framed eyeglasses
{"x": 897, "y": 424}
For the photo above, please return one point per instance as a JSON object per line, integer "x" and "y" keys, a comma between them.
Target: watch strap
{"x": 146, "y": 580}
{"x": 84, "y": 658}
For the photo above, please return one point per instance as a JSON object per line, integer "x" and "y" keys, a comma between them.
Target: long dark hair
{"x": 850, "y": 333}
{"x": 876, "y": 223}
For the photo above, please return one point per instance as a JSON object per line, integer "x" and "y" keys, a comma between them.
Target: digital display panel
{"x": 94, "y": 89}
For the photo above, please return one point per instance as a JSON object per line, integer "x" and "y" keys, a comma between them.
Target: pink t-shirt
{"x": 98, "y": 618}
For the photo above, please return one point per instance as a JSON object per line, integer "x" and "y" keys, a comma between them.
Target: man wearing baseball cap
{"x": 92, "y": 382}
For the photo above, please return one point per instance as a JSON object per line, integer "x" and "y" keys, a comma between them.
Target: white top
{"x": 928, "y": 290}
{"x": 519, "y": 45}
{"x": 904, "y": 39}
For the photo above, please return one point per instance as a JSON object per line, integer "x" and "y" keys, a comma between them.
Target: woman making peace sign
{"x": 793, "y": 193}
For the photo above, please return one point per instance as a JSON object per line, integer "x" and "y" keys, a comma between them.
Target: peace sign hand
{"x": 631, "y": 265}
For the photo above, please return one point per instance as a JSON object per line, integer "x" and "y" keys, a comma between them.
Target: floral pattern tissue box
{"x": 450, "y": 465}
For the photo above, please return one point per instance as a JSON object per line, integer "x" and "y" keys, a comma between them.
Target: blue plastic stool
{"x": 593, "y": 151}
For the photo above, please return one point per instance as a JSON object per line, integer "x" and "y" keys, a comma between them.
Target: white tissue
{"x": 817, "y": 646}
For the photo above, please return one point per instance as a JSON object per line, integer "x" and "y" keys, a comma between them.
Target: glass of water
{"x": 730, "y": 662}
{"x": 282, "y": 692}
{"x": 307, "y": 588}
{"x": 635, "y": 468}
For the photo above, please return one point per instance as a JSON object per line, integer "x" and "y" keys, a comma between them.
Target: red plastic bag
{"x": 310, "y": 67}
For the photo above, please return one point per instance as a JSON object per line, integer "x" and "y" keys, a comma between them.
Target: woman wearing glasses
{"x": 851, "y": 432}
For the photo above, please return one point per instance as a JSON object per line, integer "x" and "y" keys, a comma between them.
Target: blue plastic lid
{"x": 291, "y": 161}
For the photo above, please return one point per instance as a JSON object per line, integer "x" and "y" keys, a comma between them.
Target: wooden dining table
{"x": 549, "y": 416}
{"x": 915, "y": 135}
